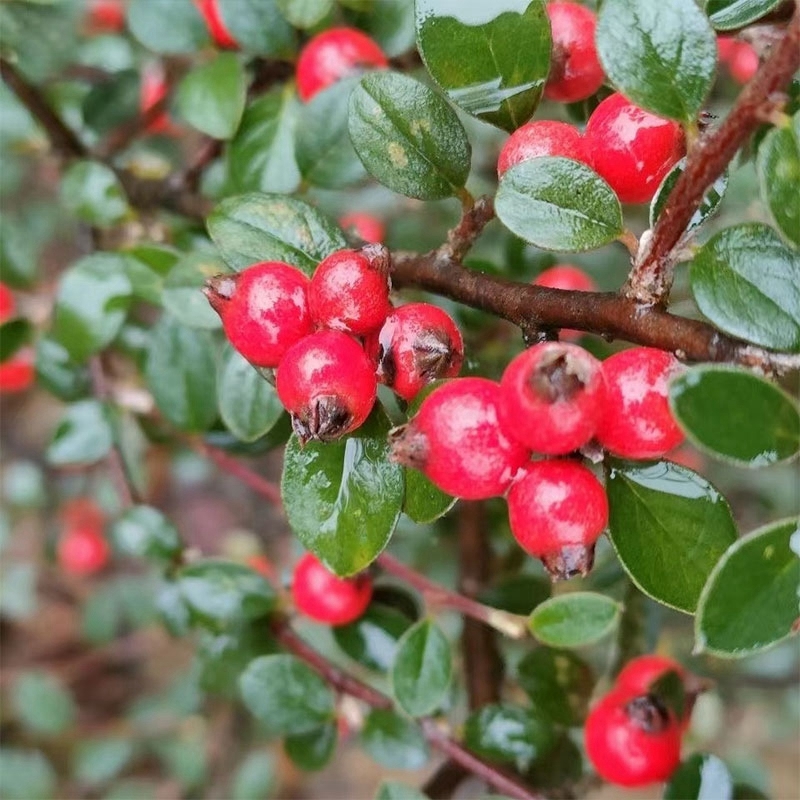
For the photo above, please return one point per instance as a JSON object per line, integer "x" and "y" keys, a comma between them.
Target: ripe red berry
{"x": 365, "y": 226}
{"x": 83, "y": 550}
{"x": 153, "y": 89}
{"x": 216, "y": 27}
{"x": 264, "y": 309}
{"x": 543, "y": 138}
{"x": 576, "y": 72}
{"x": 82, "y": 512}
{"x": 640, "y": 673}
{"x": 335, "y": 54}
{"x": 262, "y": 565}
{"x": 8, "y": 306}
{"x": 418, "y": 344}
{"x": 327, "y": 383}
{"x": 350, "y": 290}
{"x": 631, "y": 148}
{"x": 456, "y": 440}
{"x": 326, "y": 598}
{"x": 557, "y": 509}
{"x": 636, "y": 420}
{"x": 105, "y": 16}
{"x": 17, "y": 373}
{"x": 744, "y": 62}
{"x": 569, "y": 278}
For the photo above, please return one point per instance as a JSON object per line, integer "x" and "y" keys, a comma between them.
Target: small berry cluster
{"x": 17, "y": 372}
{"x": 331, "y": 338}
{"x": 473, "y": 438}
{"x": 82, "y": 547}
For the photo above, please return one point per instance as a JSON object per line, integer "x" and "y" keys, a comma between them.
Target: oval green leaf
{"x": 258, "y": 26}
{"x": 42, "y": 704}
{"x": 83, "y": 435}
{"x": 575, "y": 619}
{"x": 372, "y": 639}
{"x": 311, "y": 751}
{"x": 167, "y": 26}
{"x": 669, "y": 527}
{"x": 422, "y": 669}
{"x": 182, "y": 294}
{"x": 408, "y": 137}
{"x": 558, "y": 204}
{"x": 305, "y": 13}
{"x": 726, "y": 15}
{"x": 708, "y": 206}
{"x": 700, "y": 777}
{"x": 92, "y": 192}
{"x": 14, "y": 335}
{"x": 394, "y": 741}
{"x": 144, "y": 532}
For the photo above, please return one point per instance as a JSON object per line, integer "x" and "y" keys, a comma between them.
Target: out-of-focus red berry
{"x": 8, "y": 306}
{"x": 543, "y": 138}
{"x": 216, "y": 27}
{"x": 569, "y": 278}
{"x": 83, "y": 551}
{"x": 367, "y": 227}
{"x": 17, "y": 373}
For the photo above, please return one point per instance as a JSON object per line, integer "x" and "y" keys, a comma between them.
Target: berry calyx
{"x": 568, "y": 278}
{"x": 216, "y": 27}
{"x": 17, "y": 373}
{"x": 551, "y": 397}
{"x": 637, "y": 421}
{"x": 335, "y": 54}
{"x": 264, "y": 309}
{"x": 83, "y": 550}
{"x": 418, "y": 344}
{"x": 576, "y": 72}
{"x": 632, "y": 149}
{"x": 366, "y": 227}
{"x": 327, "y": 383}
{"x": 543, "y": 138}
{"x": 557, "y": 509}
{"x": 349, "y": 290}
{"x": 455, "y": 439}
{"x": 8, "y": 306}
{"x": 326, "y": 598}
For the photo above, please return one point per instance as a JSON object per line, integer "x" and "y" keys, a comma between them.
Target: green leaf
{"x": 503, "y": 732}
{"x": 181, "y": 373}
{"x": 261, "y": 157}
{"x": 92, "y": 303}
{"x": 747, "y": 282}
{"x": 146, "y": 266}
{"x": 26, "y": 773}
{"x": 248, "y": 403}
{"x": 778, "y": 166}
{"x": 744, "y": 791}
{"x": 735, "y": 415}
{"x": 313, "y": 750}
{"x": 394, "y": 790}
{"x": 394, "y": 741}
{"x": 14, "y": 335}
{"x": 42, "y": 704}
{"x": 211, "y": 97}
{"x": 749, "y": 602}
{"x": 112, "y": 102}
{"x": 220, "y": 593}
{"x": 144, "y": 532}
{"x": 258, "y": 26}
{"x": 372, "y": 639}
{"x": 662, "y": 55}
{"x": 518, "y": 594}
{"x": 182, "y": 295}
{"x": 408, "y": 137}
{"x": 669, "y": 527}
{"x": 700, "y": 777}
{"x": 285, "y": 695}
{"x": 18, "y": 590}
{"x": 391, "y": 25}
{"x": 708, "y": 207}
{"x": 98, "y": 761}
{"x": 92, "y": 192}
{"x": 424, "y": 502}
{"x": 167, "y": 26}
{"x": 472, "y": 50}
{"x": 422, "y": 669}
{"x": 305, "y": 13}
{"x": 343, "y": 499}
{"x": 255, "y": 777}
{"x": 58, "y": 373}
{"x": 575, "y": 619}
{"x": 726, "y": 15}
{"x": 271, "y": 227}
{"x": 83, "y": 435}
{"x": 558, "y": 204}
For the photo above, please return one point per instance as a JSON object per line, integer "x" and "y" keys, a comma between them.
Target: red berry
{"x": 82, "y": 512}
{"x": 744, "y": 63}
{"x": 327, "y": 383}
{"x": 631, "y": 148}
{"x": 350, "y": 290}
{"x": 552, "y": 397}
{"x": 82, "y": 551}
{"x": 568, "y": 278}
{"x": 726, "y": 47}
{"x": 8, "y": 306}
{"x": 640, "y": 673}
{"x": 153, "y": 90}
{"x": 543, "y": 138}
{"x": 418, "y": 344}
{"x": 322, "y": 596}
{"x": 335, "y": 54}
{"x": 216, "y": 27}
{"x": 576, "y": 72}
{"x": 636, "y": 420}
{"x": 105, "y": 16}
{"x": 17, "y": 373}
{"x": 264, "y": 309}
{"x": 557, "y": 509}
{"x": 456, "y": 440}
{"x": 365, "y": 226}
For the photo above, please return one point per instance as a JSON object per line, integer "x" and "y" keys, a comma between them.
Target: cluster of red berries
{"x": 17, "y": 372}
{"x": 331, "y": 338}
{"x": 82, "y": 546}
{"x": 473, "y": 438}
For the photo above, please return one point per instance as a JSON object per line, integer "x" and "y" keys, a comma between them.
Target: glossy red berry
{"x": 264, "y": 309}
{"x": 726, "y": 47}
{"x": 152, "y": 91}
{"x": 640, "y": 673}
{"x": 744, "y": 62}
{"x": 576, "y": 71}
{"x": 636, "y": 420}
{"x": 552, "y": 396}
{"x": 543, "y": 138}
{"x": 327, "y": 383}
{"x": 17, "y": 373}
{"x": 350, "y": 290}
{"x": 631, "y": 148}
{"x": 326, "y": 598}
{"x": 365, "y": 226}
{"x": 8, "y": 306}
{"x": 557, "y": 509}
{"x": 456, "y": 440}
{"x": 418, "y": 344}
{"x": 335, "y": 54}
{"x": 216, "y": 27}
{"x": 568, "y": 278}
{"x": 83, "y": 550}
{"x": 105, "y": 16}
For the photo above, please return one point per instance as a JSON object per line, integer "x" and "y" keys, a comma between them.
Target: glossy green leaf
{"x": 56, "y": 371}
{"x": 211, "y": 97}
{"x": 372, "y": 639}
{"x": 26, "y": 773}
{"x": 708, "y": 207}
{"x": 181, "y": 374}
{"x": 42, "y": 704}
{"x": 14, "y": 334}
{"x": 182, "y": 295}
{"x": 305, "y": 13}
{"x": 144, "y": 532}
{"x": 558, "y": 204}
{"x": 394, "y": 741}
{"x": 778, "y": 166}
{"x": 270, "y": 227}
{"x": 82, "y": 436}
{"x": 408, "y": 137}
{"x": 98, "y": 761}
{"x": 700, "y": 777}
{"x": 473, "y": 50}
{"x": 422, "y": 669}
{"x": 669, "y": 527}
{"x": 255, "y": 777}
{"x": 311, "y": 751}
{"x": 574, "y": 619}
{"x": 747, "y": 282}
{"x": 750, "y": 600}
{"x": 167, "y": 26}
{"x": 726, "y": 15}
{"x": 735, "y": 415}
{"x": 92, "y": 303}
{"x": 391, "y": 25}
{"x": 92, "y": 192}
{"x": 343, "y": 499}
{"x": 147, "y": 266}
{"x": 394, "y": 790}
{"x": 519, "y": 594}
{"x": 258, "y": 26}
{"x": 662, "y": 54}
